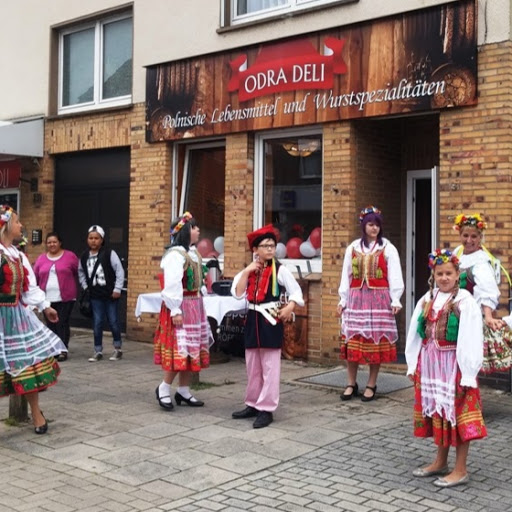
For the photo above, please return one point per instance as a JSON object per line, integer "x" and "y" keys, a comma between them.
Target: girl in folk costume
{"x": 370, "y": 290}
{"x": 444, "y": 355}
{"x": 479, "y": 278}
{"x": 262, "y": 283}
{"x": 27, "y": 346}
{"x": 182, "y": 338}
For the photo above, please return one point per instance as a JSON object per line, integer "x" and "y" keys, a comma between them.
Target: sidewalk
{"x": 111, "y": 448}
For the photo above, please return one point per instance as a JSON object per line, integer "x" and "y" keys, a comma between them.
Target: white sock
{"x": 184, "y": 391}
{"x": 164, "y": 392}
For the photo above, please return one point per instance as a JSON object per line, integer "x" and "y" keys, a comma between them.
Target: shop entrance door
{"x": 422, "y": 222}
{"x": 93, "y": 188}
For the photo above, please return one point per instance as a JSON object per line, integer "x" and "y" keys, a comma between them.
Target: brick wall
{"x": 340, "y": 203}
{"x": 239, "y": 203}
{"x": 476, "y": 157}
{"x": 150, "y": 220}
{"x": 476, "y": 164}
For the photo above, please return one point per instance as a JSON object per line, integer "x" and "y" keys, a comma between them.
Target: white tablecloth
{"x": 216, "y": 305}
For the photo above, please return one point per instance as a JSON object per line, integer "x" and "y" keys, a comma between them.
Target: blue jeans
{"x": 100, "y": 308}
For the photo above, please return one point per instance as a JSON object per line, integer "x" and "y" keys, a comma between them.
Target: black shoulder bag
{"x": 84, "y": 301}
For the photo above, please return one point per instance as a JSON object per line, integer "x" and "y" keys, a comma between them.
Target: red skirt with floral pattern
{"x": 364, "y": 351}
{"x": 468, "y": 411}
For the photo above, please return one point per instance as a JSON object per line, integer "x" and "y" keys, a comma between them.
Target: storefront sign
{"x": 10, "y": 172}
{"x": 423, "y": 60}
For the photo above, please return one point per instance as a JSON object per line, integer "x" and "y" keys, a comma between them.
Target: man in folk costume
{"x": 263, "y": 283}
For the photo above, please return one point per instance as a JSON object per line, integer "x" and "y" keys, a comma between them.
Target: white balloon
{"x": 307, "y": 250}
{"x": 280, "y": 250}
{"x": 220, "y": 256}
{"x": 318, "y": 251}
{"x": 218, "y": 244}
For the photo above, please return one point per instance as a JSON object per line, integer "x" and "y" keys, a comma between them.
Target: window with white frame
{"x": 243, "y": 11}
{"x": 288, "y": 194}
{"x": 95, "y": 64}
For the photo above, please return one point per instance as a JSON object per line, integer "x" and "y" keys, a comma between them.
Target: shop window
{"x": 243, "y": 11}
{"x": 95, "y": 64}
{"x": 289, "y": 183}
{"x": 203, "y": 192}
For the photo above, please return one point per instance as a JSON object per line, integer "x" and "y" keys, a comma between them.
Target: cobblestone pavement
{"x": 110, "y": 447}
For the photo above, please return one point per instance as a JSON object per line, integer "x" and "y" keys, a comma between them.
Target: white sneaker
{"x": 98, "y": 356}
{"x": 118, "y": 354}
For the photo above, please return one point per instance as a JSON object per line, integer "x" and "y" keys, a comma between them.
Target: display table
{"x": 217, "y": 306}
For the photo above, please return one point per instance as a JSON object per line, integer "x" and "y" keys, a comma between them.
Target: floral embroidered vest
{"x": 442, "y": 328}
{"x": 371, "y": 269}
{"x": 193, "y": 272}
{"x": 467, "y": 279}
{"x": 13, "y": 281}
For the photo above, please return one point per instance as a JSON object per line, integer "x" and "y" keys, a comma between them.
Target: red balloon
{"x": 212, "y": 254}
{"x": 205, "y": 247}
{"x": 316, "y": 238}
{"x": 293, "y": 247}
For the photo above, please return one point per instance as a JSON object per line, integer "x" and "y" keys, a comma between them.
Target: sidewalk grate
{"x": 386, "y": 382}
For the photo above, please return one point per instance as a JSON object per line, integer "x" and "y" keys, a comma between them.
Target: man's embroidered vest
{"x": 371, "y": 269}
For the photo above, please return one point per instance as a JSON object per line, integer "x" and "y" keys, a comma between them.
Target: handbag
{"x": 84, "y": 303}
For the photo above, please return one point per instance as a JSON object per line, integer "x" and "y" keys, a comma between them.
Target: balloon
{"x": 220, "y": 256}
{"x": 277, "y": 233}
{"x": 318, "y": 252}
{"x": 219, "y": 244}
{"x": 307, "y": 250}
{"x": 204, "y": 247}
{"x": 212, "y": 254}
{"x": 280, "y": 250}
{"x": 293, "y": 247}
{"x": 316, "y": 237}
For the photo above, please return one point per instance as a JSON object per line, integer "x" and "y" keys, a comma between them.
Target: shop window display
{"x": 292, "y": 195}
{"x": 203, "y": 192}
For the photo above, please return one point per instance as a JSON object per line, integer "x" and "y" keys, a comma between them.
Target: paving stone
{"x": 245, "y": 463}
{"x": 201, "y": 477}
{"x": 140, "y": 473}
{"x": 111, "y": 449}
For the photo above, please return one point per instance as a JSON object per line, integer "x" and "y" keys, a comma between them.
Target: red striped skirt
{"x": 468, "y": 415}
{"x": 186, "y": 348}
{"x": 364, "y": 351}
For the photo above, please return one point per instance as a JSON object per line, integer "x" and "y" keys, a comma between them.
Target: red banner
{"x": 287, "y": 66}
{"x": 10, "y": 173}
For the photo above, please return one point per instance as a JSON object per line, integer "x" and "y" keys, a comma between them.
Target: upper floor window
{"x": 95, "y": 64}
{"x": 243, "y": 11}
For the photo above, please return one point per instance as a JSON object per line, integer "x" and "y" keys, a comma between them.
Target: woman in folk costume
{"x": 444, "y": 353}
{"x": 479, "y": 278}
{"x": 183, "y": 336}
{"x": 370, "y": 290}
{"x": 27, "y": 346}
{"x": 262, "y": 283}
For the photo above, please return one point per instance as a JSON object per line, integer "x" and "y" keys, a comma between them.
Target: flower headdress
{"x": 184, "y": 219}
{"x": 475, "y": 220}
{"x": 367, "y": 210}
{"x": 6, "y": 215}
{"x": 440, "y": 256}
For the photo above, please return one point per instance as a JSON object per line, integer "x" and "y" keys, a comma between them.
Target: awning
{"x": 24, "y": 138}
